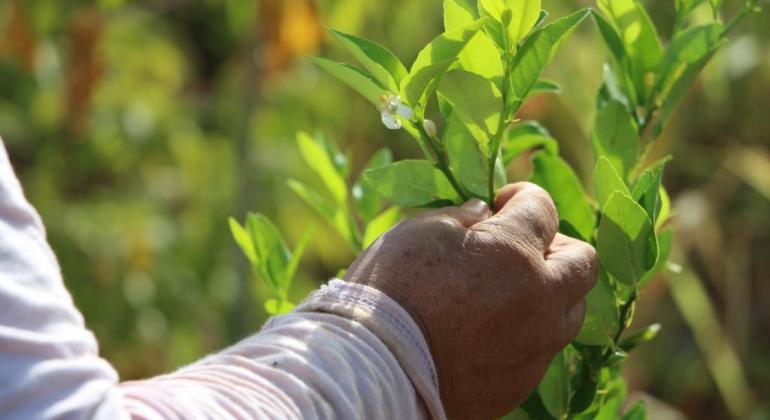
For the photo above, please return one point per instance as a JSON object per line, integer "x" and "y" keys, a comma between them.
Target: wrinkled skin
{"x": 495, "y": 295}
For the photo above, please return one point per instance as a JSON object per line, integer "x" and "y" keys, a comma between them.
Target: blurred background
{"x": 138, "y": 127}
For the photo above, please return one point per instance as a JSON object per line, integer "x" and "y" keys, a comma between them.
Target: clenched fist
{"x": 495, "y": 295}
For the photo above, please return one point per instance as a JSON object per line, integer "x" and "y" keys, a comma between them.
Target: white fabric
{"x": 347, "y": 352}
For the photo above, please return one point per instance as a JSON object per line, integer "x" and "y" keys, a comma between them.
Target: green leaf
{"x": 518, "y": 17}
{"x": 412, "y": 183}
{"x": 615, "y": 136}
{"x": 433, "y": 60}
{"x": 640, "y": 337}
{"x": 665, "y": 242}
{"x": 243, "y": 240}
{"x": 458, "y": 13}
{"x": 480, "y": 56}
{"x": 613, "y": 394}
{"x": 271, "y": 250}
{"x": 419, "y": 85}
{"x": 537, "y": 51}
{"x": 555, "y": 176}
{"x": 296, "y": 256}
{"x": 638, "y": 411}
{"x": 646, "y": 190}
{"x": 638, "y": 34}
{"x": 380, "y": 225}
{"x": 685, "y": 57}
{"x": 544, "y": 86}
{"x": 359, "y": 81}
{"x": 665, "y": 208}
{"x": 554, "y": 388}
{"x": 376, "y": 59}
{"x": 466, "y": 161}
{"x": 626, "y": 241}
{"x": 602, "y": 318}
{"x": 477, "y": 102}
{"x": 336, "y": 217}
{"x": 526, "y": 135}
{"x": 277, "y": 306}
{"x": 683, "y": 9}
{"x": 618, "y": 50}
{"x": 606, "y": 181}
{"x": 319, "y": 160}
{"x": 368, "y": 200}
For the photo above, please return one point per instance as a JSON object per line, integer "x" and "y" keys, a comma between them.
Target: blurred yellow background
{"x": 138, "y": 127}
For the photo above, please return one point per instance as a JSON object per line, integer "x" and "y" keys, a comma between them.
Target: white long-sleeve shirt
{"x": 347, "y": 352}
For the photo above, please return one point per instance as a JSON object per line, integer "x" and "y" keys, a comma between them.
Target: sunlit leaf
{"x": 466, "y": 160}
{"x": 638, "y": 411}
{"x": 640, "y": 337}
{"x": 527, "y": 135}
{"x": 296, "y": 256}
{"x": 615, "y": 136}
{"x": 271, "y": 250}
{"x": 646, "y": 190}
{"x": 518, "y": 17}
{"x": 412, "y": 183}
{"x": 544, "y": 86}
{"x": 368, "y": 200}
{"x": 537, "y": 51}
{"x": 380, "y": 224}
{"x": 556, "y": 177}
{"x": 477, "y": 102}
{"x": 458, "y": 13}
{"x": 318, "y": 159}
{"x": 243, "y": 240}
{"x": 607, "y": 181}
{"x": 359, "y": 81}
{"x": 626, "y": 240}
{"x": 481, "y": 56}
{"x": 277, "y": 306}
{"x": 380, "y": 62}
{"x": 602, "y": 318}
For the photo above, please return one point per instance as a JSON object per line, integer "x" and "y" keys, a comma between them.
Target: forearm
{"x": 309, "y": 364}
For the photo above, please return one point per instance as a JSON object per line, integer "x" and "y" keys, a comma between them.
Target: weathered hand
{"x": 496, "y": 296}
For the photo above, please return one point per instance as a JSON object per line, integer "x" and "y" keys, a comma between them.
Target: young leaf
{"x": 556, "y": 177}
{"x": 643, "y": 336}
{"x": 458, "y": 13}
{"x": 524, "y": 136}
{"x": 613, "y": 394}
{"x": 296, "y": 256}
{"x": 538, "y": 49}
{"x": 322, "y": 164}
{"x": 412, "y": 183}
{"x": 616, "y": 137}
{"x": 434, "y": 59}
{"x": 243, "y": 240}
{"x": 518, "y": 17}
{"x": 381, "y": 224}
{"x": 277, "y": 306}
{"x": 626, "y": 241}
{"x": 480, "y": 56}
{"x": 607, "y": 181}
{"x": 646, "y": 190}
{"x": 619, "y": 54}
{"x": 640, "y": 39}
{"x": 466, "y": 161}
{"x": 554, "y": 388}
{"x": 665, "y": 241}
{"x": 544, "y": 86}
{"x": 602, "y": 317}
{"x": 685, "y": 57}
{"x": 376, "y": 59}
{"x": 638, "y": 411}
{"x": 368, "y": 200}
{"x": 359, "y": 81}
{"x": 336, "y": 216}
{"x": 477, "y": 102}
{"x": 270, "y": 249}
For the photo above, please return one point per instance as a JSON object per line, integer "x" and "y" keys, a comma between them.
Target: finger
{"x": 573, "y": 321}
{"x": 525, "y": 210}
{"x": 573, "y": 267}
{"x": 466, "y": 215}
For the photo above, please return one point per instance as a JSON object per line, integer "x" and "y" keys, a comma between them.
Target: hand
{"x": 496, "y": 296}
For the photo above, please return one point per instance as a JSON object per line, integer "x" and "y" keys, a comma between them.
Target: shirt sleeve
{"x": 347, "y": 352}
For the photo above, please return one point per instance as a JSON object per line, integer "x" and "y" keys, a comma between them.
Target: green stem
{"x": 748, "y": 7}
{"x": 441, "y": 160}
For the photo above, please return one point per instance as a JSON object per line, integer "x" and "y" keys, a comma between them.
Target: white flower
{"x": 391, "y": 108}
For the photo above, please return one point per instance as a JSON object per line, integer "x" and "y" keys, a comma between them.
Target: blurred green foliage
{"x": 138, "y": 127}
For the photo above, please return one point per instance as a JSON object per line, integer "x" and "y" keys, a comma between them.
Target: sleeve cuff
{"x": 390, "y": 323}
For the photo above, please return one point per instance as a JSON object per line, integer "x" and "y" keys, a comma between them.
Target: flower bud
{"x": 429, "y": 127}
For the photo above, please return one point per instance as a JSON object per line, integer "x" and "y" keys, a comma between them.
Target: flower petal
{"x": 390, "y": 121}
